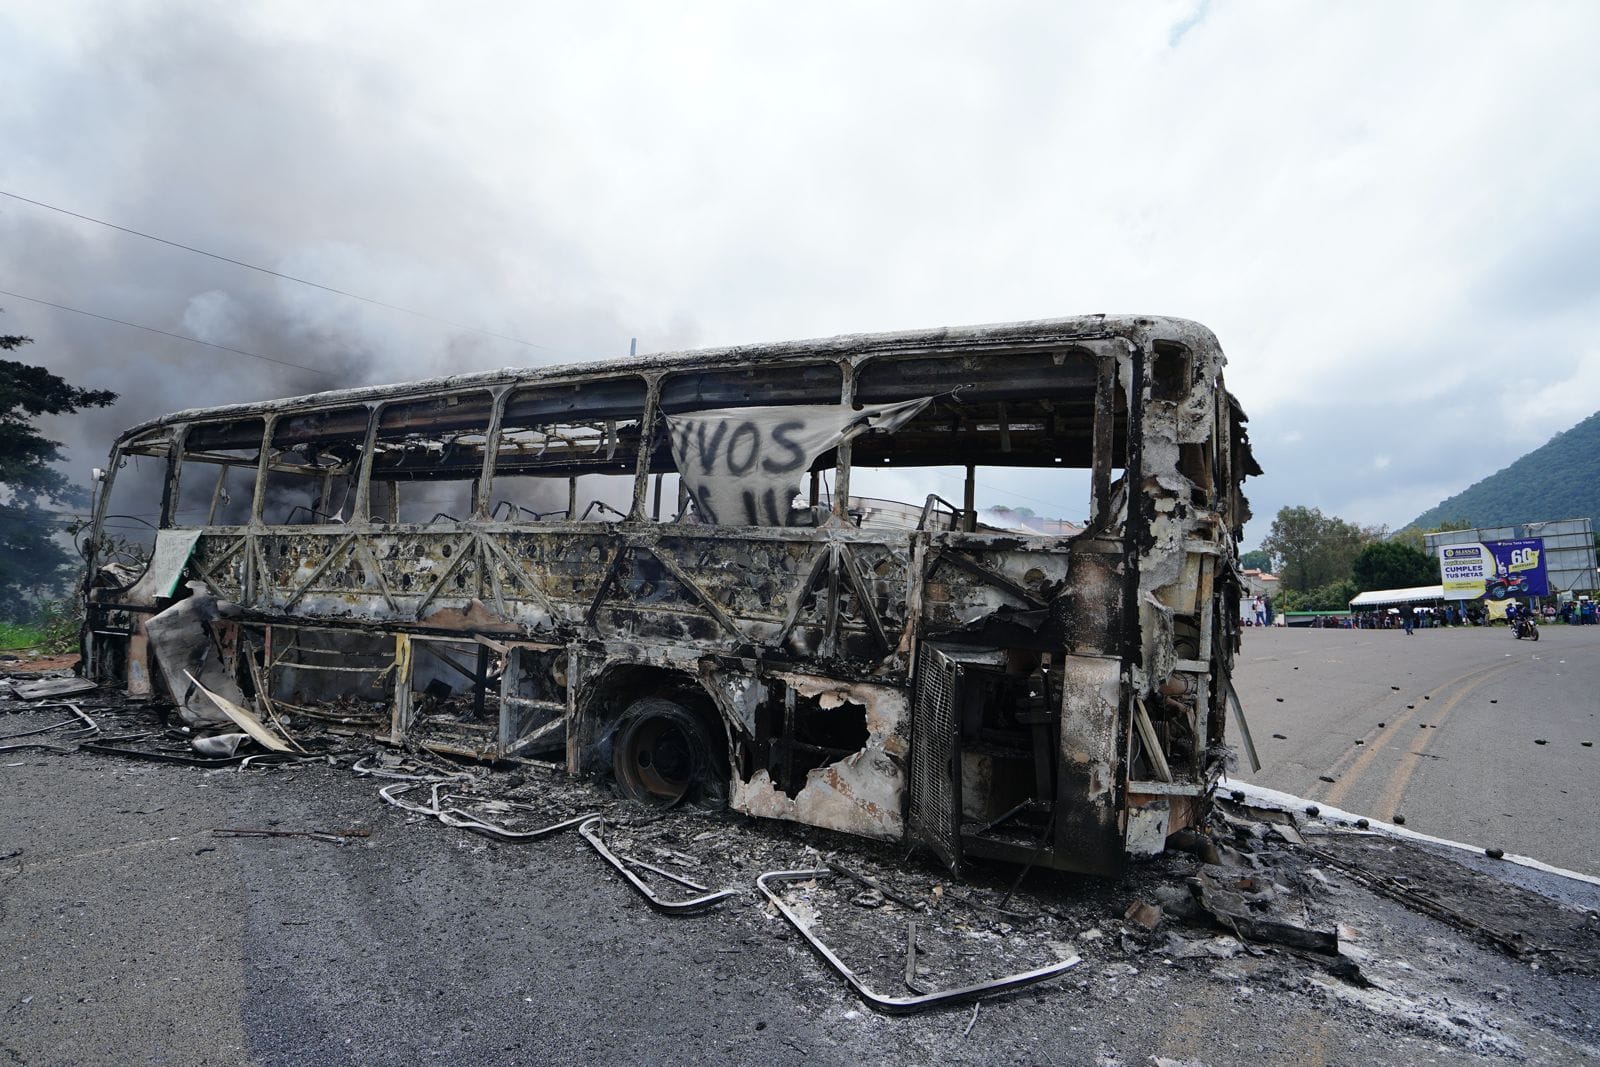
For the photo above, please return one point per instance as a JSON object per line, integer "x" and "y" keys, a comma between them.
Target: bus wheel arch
{"x": 657, "y": 735}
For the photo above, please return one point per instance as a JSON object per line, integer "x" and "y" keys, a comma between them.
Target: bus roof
{"x": 997, "y": 336}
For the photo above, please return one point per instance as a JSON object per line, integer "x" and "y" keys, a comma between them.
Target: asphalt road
{"x": 1466, "y": 733}
{"x": 134, "y": 935}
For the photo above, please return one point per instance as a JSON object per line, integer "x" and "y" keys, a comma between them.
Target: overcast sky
{"x": 1388, "y": 212}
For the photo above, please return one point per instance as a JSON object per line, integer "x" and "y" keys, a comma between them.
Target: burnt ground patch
{"x": 1562, "y": 935}
{"x": 140, "y": 936}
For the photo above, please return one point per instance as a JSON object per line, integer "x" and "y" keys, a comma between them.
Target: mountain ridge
{"x": 1558, "y": 480}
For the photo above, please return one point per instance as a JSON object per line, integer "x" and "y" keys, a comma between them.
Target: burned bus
{"x": 650, "y": 570}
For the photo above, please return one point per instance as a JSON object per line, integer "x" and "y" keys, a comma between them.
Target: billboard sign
{"x": 1498, "y": 570}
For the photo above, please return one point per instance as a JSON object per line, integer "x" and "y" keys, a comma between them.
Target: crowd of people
{"x": 1577, "y": 612}
{"x": 1258, "y": 611}
{"x": 1410, "y": 617}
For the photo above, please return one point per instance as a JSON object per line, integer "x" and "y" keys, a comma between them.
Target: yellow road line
{"x": 1400, "y": 777}
{"x": 1349, "y": 775}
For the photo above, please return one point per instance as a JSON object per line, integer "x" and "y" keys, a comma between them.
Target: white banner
{"x": 743, "y": 466}
{"x": 1465, "y": 570}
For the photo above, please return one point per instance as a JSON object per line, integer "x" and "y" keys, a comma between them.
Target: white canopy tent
{"x": 1382, "y": 598}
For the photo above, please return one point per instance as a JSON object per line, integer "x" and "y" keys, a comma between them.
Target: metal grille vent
{"x": 935, "y": 774}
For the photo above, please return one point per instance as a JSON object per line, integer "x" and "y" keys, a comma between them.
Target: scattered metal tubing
{"x": 462, "y": 820}
{"x": 336, "y": 836}
{"x": 973, "y": 902}
{"x": 593, "y": 831}
{"x": 272, "y": 759}
{"x": 159, "y": 756}
{"x": 391, "y": 795}
{"x": 671, "y": 876}
{"x": 459, "y": 819}
{"x": 125, "y": 739}
{"x": 88, "y": 729}
{"x": 360, "y": 769}
{"x": 911, "y": 961}
{"x": 76, "y": 710}
{"x": 44, "y": 730}
{"x": 898, "y": 1005}
{"x": 871, "y": 883}
{"x": 426, "y": 773}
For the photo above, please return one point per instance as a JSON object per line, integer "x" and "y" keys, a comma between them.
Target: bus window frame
{"x": 274, "y": 419}
{"x": 180, "y": 457}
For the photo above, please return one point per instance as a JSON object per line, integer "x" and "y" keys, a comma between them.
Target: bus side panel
{"x": 861, "y": 793}
{"x": 1088, "y": 834}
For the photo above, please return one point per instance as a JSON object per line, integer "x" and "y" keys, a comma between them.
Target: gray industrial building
{"x": 1568, "y": 545}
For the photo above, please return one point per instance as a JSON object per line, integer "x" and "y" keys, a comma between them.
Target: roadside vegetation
{"x": 53, "y": 629}
{"x": 37, "y": 609}
{"x": 1323, "y": 561}
{"x": 16, "y": 636}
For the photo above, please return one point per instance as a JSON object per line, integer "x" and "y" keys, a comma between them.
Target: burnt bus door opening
{"x": 935, "y": 786}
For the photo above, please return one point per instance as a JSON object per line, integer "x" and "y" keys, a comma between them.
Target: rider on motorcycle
{"x": 1521, "y": 619}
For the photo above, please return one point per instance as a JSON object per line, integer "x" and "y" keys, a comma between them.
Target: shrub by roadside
{"x": 53, "y": 631}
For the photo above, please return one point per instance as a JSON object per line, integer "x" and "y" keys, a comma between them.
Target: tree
{"x": 1315, "y": 549}
{"x": 1335, "y": 596}
{"x": 1416, "y": 536}
{"x": 1410, "y": 536}
{"x": 1393, "y": 565}
{"x": 1259, "y": 560}
{"x": 33, "y": 565}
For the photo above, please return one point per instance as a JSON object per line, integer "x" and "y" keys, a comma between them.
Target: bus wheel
{"x": 663, "y": 754}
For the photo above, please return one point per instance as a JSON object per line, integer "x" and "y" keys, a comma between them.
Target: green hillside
{"x": 1558, "y": 480}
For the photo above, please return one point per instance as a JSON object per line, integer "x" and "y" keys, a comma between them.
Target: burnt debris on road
{"x": 1284, "y": 905}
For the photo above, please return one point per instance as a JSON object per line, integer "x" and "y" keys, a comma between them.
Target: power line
{"x": 163, "y": 333}
{"x": 273, "y": 273}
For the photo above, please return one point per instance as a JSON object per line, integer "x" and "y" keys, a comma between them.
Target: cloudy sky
{"x": 1388, "y": 212}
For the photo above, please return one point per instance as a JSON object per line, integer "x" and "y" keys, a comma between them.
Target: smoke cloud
{"x": 1381, "y": 210}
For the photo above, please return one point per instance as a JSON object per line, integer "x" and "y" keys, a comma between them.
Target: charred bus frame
{"x": 1056, "y": 699}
